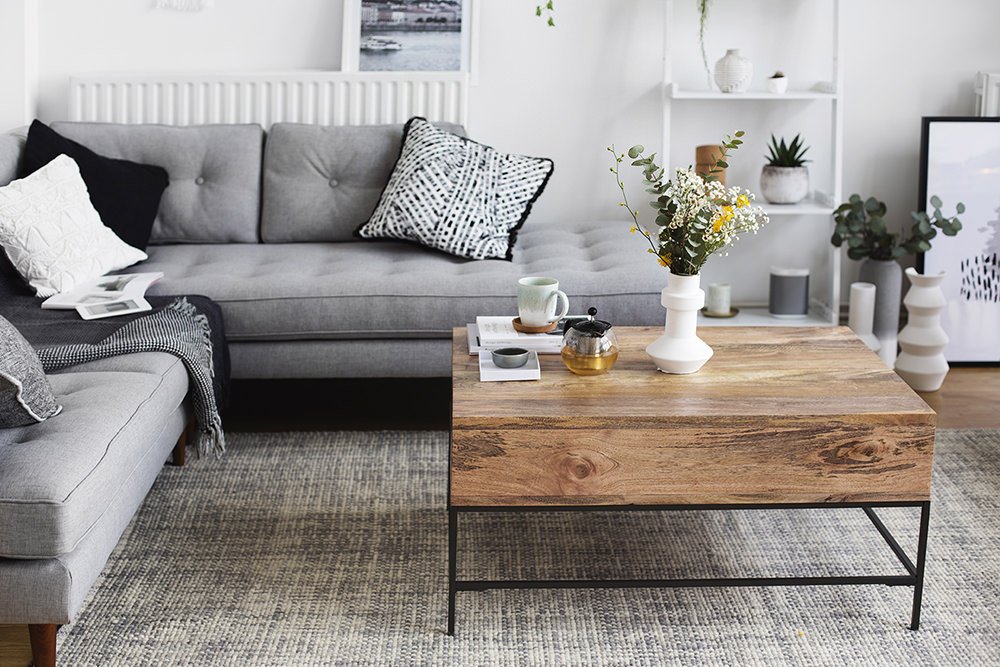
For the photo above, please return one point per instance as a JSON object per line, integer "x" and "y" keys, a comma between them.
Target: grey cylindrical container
{"x": 789, "y": 294}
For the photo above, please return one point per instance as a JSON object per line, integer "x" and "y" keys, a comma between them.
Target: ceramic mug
{"x": 536, "y": 301}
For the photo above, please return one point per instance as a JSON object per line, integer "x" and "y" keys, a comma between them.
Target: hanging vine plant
{"x": 703, "y": 6}
{"x": 546, "y": 11}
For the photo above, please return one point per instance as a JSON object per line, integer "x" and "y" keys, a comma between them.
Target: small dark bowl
{"x": 510, "y": 357}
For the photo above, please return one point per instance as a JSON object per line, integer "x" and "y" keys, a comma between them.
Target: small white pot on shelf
{"x": 777, "y": 85}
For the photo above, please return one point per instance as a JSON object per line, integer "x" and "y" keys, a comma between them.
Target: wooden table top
{"x": 777, "y": 415}
{"x": 765, "y": 371}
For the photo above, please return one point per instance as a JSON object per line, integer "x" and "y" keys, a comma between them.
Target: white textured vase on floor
{"x": 921, "y": 363}
{"x": 679, "y": 350}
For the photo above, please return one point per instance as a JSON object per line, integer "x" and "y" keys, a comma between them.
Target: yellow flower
{"x": 662, "y": 261}
{"x": 742, "y": 201}
{"x": 722, "y": 218}
{"x": 632, "y": 230}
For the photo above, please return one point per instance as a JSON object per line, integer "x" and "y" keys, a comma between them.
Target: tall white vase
{"x": 679, "y": 350}
{"x": 861, "y": 315}
{"x": 921, "y": 363}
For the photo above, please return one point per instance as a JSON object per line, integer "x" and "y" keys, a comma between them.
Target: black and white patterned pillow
{"x": 456, "y": 195}
{"x": 25, "y": 394}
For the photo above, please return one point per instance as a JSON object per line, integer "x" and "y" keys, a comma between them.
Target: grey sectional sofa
{"x": 264, "y": 226}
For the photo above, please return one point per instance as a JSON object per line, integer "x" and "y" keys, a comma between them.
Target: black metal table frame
{"x": 914, "y": 576}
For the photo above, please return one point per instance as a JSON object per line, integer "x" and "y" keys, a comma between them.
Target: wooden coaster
{"x": 732, "y": 313}
{"x": 545, "y": 328}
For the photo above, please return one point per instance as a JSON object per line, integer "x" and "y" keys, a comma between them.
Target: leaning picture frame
{"x": 410, "y": 36}
{"x": 960, "y": 162}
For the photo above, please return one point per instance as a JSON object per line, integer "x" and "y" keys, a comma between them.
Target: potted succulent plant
{"x": 785, "y": 178}
{"x": 860, "y": 223}
{"x": 777, "y": 83}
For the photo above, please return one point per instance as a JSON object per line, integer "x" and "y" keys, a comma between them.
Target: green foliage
{"x": 861, "y": 225}
{"x": 778, "y": 75}
{"x": 786, "y": 155}
{"x": 547, "y": 10}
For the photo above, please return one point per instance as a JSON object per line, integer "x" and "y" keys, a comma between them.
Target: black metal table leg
{"x": 914, "y": 571}
{"x": 452, "y": 566}
{"x": 918, "y": 586}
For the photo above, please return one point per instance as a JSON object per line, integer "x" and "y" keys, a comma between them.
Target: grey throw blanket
{"x": 178, "y": 329}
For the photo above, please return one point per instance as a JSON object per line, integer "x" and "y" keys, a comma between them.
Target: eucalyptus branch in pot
{"x": 861, "y": 225}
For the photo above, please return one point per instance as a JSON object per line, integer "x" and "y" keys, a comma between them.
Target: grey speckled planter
{"x": 784, "y": 185}
{"x": 887, "y": 276}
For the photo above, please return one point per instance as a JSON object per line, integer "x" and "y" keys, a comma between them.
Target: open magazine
{"x": 106, "y": 296}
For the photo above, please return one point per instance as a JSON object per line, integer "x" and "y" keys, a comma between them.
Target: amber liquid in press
{"x": 589, "y": 364}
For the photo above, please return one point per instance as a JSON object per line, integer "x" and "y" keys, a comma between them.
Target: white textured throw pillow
{"x": 53, "y": 235}
{"x": 456, "y": 195}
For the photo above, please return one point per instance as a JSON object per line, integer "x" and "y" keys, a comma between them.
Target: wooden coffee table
{"x": 779, "y": 418}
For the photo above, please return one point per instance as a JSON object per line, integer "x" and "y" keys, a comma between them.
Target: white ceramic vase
{"x": 861, "y": 315}
{"x": 679, "y": 350}
{"x": 733, "y": 72}
{"x": 778, "y": 85}
{"x": 922, "y": 363}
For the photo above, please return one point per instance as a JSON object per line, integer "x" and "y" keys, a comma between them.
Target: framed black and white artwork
{"x": 408, "y": 36}
{"x": 961, "y": 163}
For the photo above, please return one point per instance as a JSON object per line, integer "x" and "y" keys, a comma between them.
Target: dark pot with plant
{"x": 861, "y": 225}
{"x": 785, "y": 178}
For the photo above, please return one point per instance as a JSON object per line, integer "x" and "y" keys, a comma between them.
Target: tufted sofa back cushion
{"x": 321, "y": 182}
{"x": 11, "y": 150}
{"x": 214, "y": 170}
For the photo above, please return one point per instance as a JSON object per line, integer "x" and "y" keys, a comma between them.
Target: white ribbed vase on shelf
{"x": 922, "y": 363}
{"x": 733, "y": 72}
{"x": 679, "y": 350}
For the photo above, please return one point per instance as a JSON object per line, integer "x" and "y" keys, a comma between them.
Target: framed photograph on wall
{"x": 409, "y": 36}
{"x": 960, "y": 162}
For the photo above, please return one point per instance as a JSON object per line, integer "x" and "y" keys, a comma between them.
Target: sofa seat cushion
{"x": 317, "y": 291}
{"x": 57, "y": 478}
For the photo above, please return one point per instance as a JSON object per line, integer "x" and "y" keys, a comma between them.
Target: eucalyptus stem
{"x": 624, "y": 202}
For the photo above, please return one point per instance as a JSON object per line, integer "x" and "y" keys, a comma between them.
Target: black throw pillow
{"x": 126, "y": 194}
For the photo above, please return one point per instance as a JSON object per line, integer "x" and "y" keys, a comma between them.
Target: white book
{"x": 105, "y": 291}
{"x": 490, "y": 372}
{"x": 497, "y": 332}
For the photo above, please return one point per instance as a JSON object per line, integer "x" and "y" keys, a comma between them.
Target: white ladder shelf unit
{"x": 825, "y": 307}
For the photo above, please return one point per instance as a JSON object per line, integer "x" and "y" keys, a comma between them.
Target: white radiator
{"x": 323, "y": 98}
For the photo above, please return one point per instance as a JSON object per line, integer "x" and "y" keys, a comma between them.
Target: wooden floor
{"x": 970, "y": 398}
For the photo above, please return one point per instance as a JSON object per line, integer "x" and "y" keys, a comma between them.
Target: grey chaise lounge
{"x": 264, "y": 226}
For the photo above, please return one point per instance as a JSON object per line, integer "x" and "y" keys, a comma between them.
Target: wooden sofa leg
{"x": 179, "y": 457}
{"x": 43, "y": 644}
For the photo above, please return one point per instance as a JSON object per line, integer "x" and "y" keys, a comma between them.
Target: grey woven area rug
{"x": 330, "y": 548}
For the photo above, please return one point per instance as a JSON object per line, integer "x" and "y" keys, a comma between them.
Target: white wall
{"x": 18, "y": 62}
{"x": 570, "y": 91}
